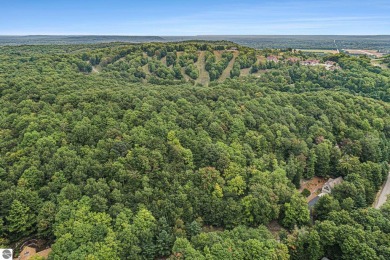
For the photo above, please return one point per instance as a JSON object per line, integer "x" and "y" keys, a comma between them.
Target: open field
{"x": 319, "y": 51}
{"x": 365, "y": 52}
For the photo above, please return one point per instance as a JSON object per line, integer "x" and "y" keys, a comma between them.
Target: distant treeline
{"x": 381, "y": 42}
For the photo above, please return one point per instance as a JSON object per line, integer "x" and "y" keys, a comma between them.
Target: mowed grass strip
{"x": 204, "y": 77}
{"x": 226, "y": 72}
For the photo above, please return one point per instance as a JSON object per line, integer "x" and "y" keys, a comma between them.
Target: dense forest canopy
{"x": 190, "y": 150}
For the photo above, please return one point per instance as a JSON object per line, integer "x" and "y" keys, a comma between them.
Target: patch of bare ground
{"x": 204, "y": 77}
{"x": 314, "y": 185}
{"x": 226, "y": 72}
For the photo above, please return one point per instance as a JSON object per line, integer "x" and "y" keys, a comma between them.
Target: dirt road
{"x": 383, "y": 195}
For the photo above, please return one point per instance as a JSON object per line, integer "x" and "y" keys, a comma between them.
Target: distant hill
{"x": 73, "y": 39}
{"x": 373, "y": 42}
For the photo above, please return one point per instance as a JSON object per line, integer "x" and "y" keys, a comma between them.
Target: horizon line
{"x": 199, "y": 35}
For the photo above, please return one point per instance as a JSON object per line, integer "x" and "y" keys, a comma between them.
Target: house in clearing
{"x": 329, "y": 185}
{"x": 29, "y": 252}
{"x": 326, "y": 189}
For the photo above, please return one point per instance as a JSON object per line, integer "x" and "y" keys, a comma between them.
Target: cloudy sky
{"x": 201, "y": 17}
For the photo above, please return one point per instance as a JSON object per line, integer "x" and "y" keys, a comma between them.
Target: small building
{"x": 329, "y": 185}
{"x": 29, "y": 252}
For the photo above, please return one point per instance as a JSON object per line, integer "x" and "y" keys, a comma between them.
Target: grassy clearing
{"x": 183, "y": 72}
{"x": 245, "y": 72}
{"x": 226, "y": 72}
{"x": 378, "y": 63}
{"x": 145, "y": 68}
{"x": 203, "y": 78}
{"x": 178, "y": 54}
{"x": 365, "y": 52}
{"x": 319, "y": 51}
{"x": 260, "y": 59}
{"x": 164, "y": 61}
{"x": 218, "y": 55}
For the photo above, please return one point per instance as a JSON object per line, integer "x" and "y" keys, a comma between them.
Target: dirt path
{"x": 383, "y": 194}
{"x": 226, "y": 72}
{"x": 203, "y": 78}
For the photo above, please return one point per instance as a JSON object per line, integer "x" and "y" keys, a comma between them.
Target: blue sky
{"x": 201, "y": 17}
